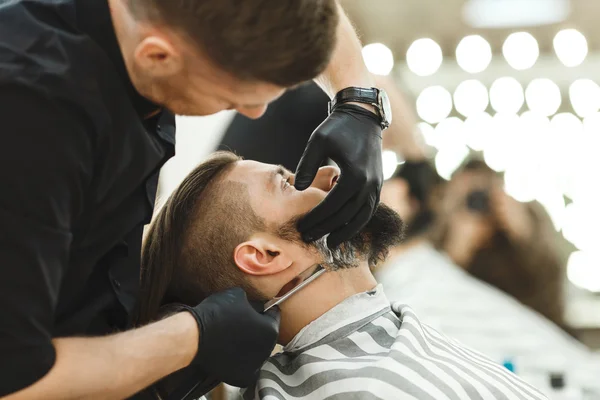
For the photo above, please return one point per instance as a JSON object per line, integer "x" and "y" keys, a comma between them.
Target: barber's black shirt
{"x": 78, "y": 171}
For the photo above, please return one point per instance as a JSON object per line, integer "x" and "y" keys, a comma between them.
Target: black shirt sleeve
{"x": 45, "y": 167}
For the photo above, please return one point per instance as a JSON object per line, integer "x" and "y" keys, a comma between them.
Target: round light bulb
{"x": 477, "y": 130}
{"x": 521, "y": 50}
{"x": 378, "y": 58}
{"x": 449, "y": 133}
{"x": 471, "y": 97}
{"x": 434, "y": 104}
{"x": 571, "y": 47}
{"x": 585, "y": 97}
{"x": 424, "y": 57}
{"x": 449, "y": 159}
{"x": 506, "y": 95}
{"x": 473, "y": 54}
{"x": 390, "y": 163}
{"x": 543, "y": 96}
{"x": 583, "y": 271}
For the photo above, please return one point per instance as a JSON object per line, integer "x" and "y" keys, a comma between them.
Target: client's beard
{"x": 384, "y": 230}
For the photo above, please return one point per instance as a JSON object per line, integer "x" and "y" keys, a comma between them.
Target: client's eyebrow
{"x": 279, "y": 170}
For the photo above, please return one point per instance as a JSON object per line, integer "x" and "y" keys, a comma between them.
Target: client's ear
{"x": 261, "y": 256}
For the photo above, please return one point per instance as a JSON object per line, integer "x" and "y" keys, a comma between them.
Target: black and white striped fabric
{"x": 365, "y": 348}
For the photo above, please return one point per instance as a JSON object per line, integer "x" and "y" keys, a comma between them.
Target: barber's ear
{"x": 261, "y": 256}
{"x": 158, "y": 57}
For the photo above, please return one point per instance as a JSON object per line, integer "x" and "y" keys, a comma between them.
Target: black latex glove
{"x": 235, "y": 338}
{"x": 350, "y": 136}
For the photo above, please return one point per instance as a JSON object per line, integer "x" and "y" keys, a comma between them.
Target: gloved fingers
{"x": 258, "y": 306}
{"x": 339, "y": 218}
{"x": 310, "y": 225}
{"x": 348, "y": 231}
{"x": 275, "y": 314}
{"x": 232, "y": 295}
{"x": 309, "y": 164}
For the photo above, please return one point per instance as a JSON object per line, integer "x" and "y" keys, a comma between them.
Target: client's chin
{"x": 384, "y": 230}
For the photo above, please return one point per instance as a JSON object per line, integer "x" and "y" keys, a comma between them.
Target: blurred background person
{"x": 508, "y": 244}
{"x": 466, "y": 308}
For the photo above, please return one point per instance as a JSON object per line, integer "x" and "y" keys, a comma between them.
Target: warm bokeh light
{"x": 390, "y": 163}
{"x": 379, "y": 59}
{"x": 571, "y": 47}
{"x": 519, "y": 182}
{"x": 473, "y": 54}
{"x": 434, "y": 104}
{"x": 506, "y": 95}
{"x": 543, "y": 96}
{"x": 424, "y": 57}
{"x": 583, "y": 269}
{"x": 448, "y": 159}
{"x": 564, "y": 147}
{"x": 554, "y": 203}
{"x": 477, "y": 130}
{"x": 427, "y": 132}
{"x": 580, "y": 225}
{"x": 471, "y": 97}
{"x": 533, "y": 131}
{"x": 591, "y": 125}
{"x": 499, "y": 149}
{"x": 585, "y": 97}
{"x": 449, "y": 133}
{"x": 521, "y": 50}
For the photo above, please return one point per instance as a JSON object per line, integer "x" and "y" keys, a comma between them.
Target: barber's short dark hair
{"x": 283, "y": 42}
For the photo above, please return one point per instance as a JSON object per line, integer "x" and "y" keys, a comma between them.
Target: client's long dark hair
{"x": 161, "y": 251}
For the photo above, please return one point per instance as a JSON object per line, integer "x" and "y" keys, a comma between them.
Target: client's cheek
{"x": 309, "y": 199}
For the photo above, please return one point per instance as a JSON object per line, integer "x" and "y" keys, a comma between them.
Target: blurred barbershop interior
{"x": 492, "y": 161}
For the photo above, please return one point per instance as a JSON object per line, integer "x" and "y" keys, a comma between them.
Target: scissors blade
{"x": 275, "y": 301}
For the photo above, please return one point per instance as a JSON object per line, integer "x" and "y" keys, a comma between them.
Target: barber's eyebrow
{"x": 275, "y": 172}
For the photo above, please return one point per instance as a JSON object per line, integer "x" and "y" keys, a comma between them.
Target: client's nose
{"x": 326, "y": 178}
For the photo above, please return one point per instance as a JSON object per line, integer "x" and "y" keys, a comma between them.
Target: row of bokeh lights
{"x": 548, "y": 157}
{"x": 474, "y": 54}
{"x": 506, "y": 95}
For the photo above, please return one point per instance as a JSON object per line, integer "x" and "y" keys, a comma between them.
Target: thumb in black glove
{"x": 235, "y": 339}
{"x": 350, "y": 136}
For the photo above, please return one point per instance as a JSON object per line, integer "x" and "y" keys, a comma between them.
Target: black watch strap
{"x": 355, "y": 94}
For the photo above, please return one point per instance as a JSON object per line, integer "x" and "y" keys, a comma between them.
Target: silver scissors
{"x": 275, "y": 301}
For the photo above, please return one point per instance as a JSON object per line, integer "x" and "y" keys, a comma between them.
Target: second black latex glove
{"x": 350, "y": 136}
{"x": 235, "y": 338}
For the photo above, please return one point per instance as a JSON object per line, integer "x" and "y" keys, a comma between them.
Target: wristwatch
{"x": 378, "y": 98}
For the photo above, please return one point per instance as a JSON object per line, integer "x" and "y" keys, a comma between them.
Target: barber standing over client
{"x": 88, "y": 89}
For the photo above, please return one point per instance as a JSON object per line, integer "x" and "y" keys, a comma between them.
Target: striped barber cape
{"x": 365, "y": 348}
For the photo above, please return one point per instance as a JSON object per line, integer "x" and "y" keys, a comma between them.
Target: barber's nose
{"x": 326, "y": 178}
{"x": 252, "y": 112}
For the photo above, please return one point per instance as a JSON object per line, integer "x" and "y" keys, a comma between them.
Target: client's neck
{"x": 320, "y": 296}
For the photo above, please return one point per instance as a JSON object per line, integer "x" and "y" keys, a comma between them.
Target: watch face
{"x": 384, "y": 101}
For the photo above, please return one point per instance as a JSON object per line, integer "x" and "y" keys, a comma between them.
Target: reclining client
{"x": 232, "y": 223}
